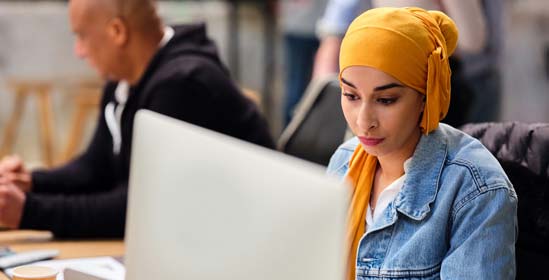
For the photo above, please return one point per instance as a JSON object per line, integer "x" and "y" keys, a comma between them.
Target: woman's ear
{"x": 422, "y": 108}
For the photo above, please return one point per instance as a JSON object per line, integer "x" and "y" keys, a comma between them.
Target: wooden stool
{"x": 42, "y": 91}
{"x": 85, "y": 103}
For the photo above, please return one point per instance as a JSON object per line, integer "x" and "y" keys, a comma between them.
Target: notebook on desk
{"x": 207, "y": 206}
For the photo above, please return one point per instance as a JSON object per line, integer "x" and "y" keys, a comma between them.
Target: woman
{"x": 428, "y": 201}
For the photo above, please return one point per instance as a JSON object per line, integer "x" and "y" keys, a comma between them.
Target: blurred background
{"x": 48, "y": 97}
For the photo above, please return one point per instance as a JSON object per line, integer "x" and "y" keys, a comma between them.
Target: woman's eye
{"x": 386, "y": 101}
{"x": 350, "y": 96}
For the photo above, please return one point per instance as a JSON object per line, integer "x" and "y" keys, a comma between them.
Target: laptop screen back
{"x": 207, "y": 206}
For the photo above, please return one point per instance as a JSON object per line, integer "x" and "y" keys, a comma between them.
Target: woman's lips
{"x": 368, "y": 141}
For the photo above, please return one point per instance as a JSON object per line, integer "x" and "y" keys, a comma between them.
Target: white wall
{"x": 525, "y": 82}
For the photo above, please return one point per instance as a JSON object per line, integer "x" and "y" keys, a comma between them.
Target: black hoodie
{"x": 186, "y": 80}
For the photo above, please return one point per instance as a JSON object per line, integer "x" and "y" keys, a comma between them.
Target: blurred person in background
{"x": 476, "y": 80}
{"x": 173, "y": 71}
{"x": 298, "y": 22}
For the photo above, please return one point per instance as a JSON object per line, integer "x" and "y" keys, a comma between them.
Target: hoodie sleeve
{"x": 81, "y": 198}
{"x": 91, "y": 171}
{"x": 78, "y": 216}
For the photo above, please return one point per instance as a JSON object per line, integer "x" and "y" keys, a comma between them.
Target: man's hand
{"x": 12, "y": 201}
{"x": 12, "y": 163}
{"x": 13, "y": 171}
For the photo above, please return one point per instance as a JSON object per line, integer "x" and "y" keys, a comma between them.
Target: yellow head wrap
{"x": 413, "y": 46}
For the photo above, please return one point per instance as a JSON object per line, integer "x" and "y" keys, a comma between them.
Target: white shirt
{"x": 387, "y": 196}
{"x": 113, "y": 113}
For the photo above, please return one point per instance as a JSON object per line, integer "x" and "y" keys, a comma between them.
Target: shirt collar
{"x": 123, "y": 88}
{"x": 168, "y": 35}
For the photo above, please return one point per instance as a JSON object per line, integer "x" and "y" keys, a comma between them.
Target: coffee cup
{"x": 34, "y": 272}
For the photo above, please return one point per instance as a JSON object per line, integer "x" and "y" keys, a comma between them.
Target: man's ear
{"x": 118, "y": 31}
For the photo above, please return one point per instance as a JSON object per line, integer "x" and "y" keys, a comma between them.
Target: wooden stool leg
{"x": 76, "y": 131}
{"x": 46, "y": 123}
{"x": 86, "y": 102}
{"x": 10, "y": 132}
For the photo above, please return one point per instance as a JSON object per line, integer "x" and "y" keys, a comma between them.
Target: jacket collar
{"x": 421, "y": 185}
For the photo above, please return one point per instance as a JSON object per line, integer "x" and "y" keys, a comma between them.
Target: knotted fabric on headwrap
{"x": 413, "y": 46}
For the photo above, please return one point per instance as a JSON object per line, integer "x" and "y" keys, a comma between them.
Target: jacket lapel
{"x": 422, "y": 180}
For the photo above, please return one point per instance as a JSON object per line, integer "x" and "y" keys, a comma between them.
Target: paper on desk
{"x": 104, "y": 267}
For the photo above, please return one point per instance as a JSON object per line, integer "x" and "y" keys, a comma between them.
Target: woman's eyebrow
{"x": 348, "y": 83}
{"x": 387, "y": 86}
{"x": 379, "y": 88}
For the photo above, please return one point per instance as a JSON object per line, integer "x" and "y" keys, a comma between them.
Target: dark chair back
{"x": 318, "y": 126}
{"x": 523, "y": 151}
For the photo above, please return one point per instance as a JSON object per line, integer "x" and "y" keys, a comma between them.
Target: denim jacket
{"x": 455, "y": 217}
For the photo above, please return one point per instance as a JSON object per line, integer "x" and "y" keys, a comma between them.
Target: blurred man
{"x": 298, "y": 20}
{"x": 173, "y": 71}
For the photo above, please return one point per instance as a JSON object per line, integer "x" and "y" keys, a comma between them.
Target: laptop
{"x": 203, "y": 205}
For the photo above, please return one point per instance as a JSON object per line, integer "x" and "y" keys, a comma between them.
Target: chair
{"x": 85, "y": 104}
{"x": 523, "y": 151}
{"x": 318, "y": 126}
{"x": 41, "y": 90}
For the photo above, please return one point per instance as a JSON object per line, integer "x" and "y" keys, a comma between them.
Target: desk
{"x": 67, "y": 249}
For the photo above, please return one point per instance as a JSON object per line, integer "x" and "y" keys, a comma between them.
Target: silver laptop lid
{"x": 203, "y": 205}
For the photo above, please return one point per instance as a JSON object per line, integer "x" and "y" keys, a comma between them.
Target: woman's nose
{"x": 366, "y": 119}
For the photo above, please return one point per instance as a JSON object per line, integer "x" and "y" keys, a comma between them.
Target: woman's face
{"x": 381, "y": 111}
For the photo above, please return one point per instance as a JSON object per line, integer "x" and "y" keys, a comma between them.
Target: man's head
{"x": 108, "y": 30}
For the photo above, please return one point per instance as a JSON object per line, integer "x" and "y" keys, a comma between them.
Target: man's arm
{"x": 77, "y": 216}
{"x": 471, "y": 22}
{"x": 330, "y": 29}
{"x": 88, "y": 172}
